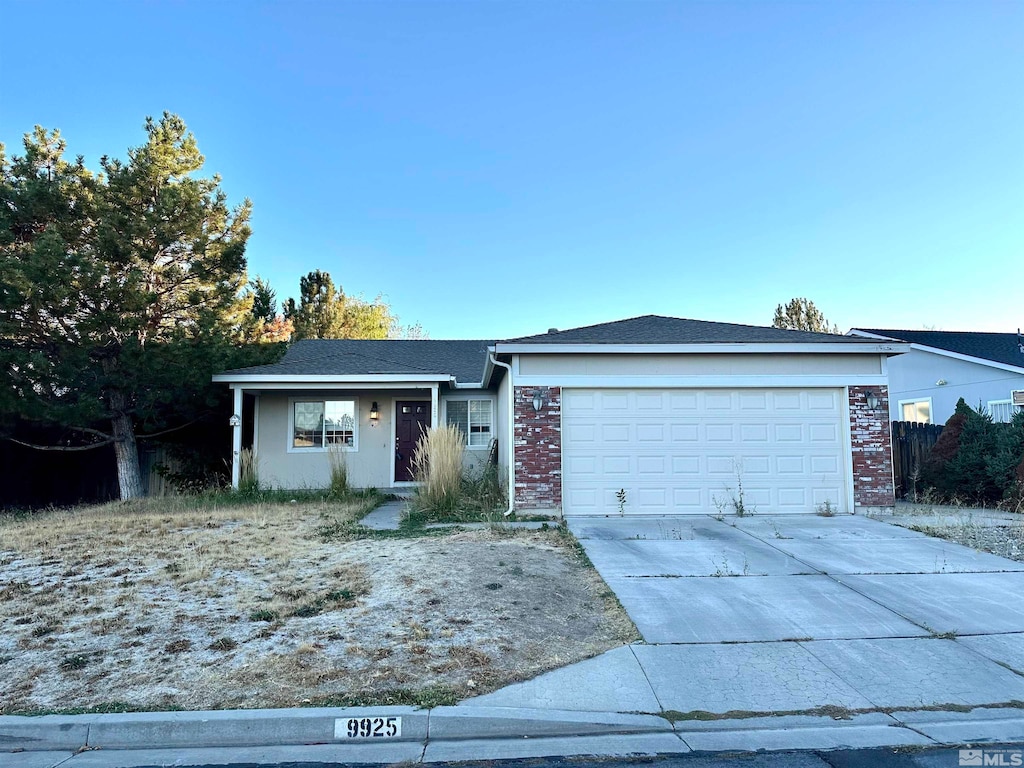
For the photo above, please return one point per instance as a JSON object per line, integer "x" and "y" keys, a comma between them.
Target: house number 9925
{"x": 368, "y": 728}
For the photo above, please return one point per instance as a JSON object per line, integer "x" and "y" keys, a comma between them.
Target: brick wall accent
{"x": 870, "y": 441}
{"x": 538, "y": 449}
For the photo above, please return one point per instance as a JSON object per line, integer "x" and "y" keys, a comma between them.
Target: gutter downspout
{"x": 511, "y": 435}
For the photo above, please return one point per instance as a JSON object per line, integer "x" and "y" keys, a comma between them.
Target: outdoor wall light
{"x": 871, "y": 399}
{"x": 235, "y": 420}
{"x": 941, "y": 383}
{"x": 374, "y": 414}
{"x": 538, "y": 401}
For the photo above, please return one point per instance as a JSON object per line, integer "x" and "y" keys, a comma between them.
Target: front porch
{"x": 296, "y": 431}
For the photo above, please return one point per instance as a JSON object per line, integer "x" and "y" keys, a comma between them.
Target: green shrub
{"x": 976, "y": 459}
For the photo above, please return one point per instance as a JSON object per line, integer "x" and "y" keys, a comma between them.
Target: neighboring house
{"x": 942, "y": 366}
{"x": 673, "y": 412}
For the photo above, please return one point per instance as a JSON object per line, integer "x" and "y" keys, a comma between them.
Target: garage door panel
{"x": 652, "y": 465}
{"x": 651, "y": 401}
{"x": 825, "y": 465}
{"x": 684, "y": 433}
{"x": 718, "y": 401}
{"x": 579, "y": 401}
{"x": 580, "y": 434}
{"x": 651, "y": 433}
{"x": 786, "y": 401}
{"x": 754, "y": 433}
{"x": 753, "y": 401}
{"x": 581, "y": 467}
{"x": 789, "y": 433}
{"x": 676, "y": 451}
{"x": 833, "y": 495}
{"x": 721, "y": 465}
{"x": 757, "y": 465}
{"x": 719, "y": 433}
{"x": 791, "y": 465}
{"x": 824, "y": 433}
{"x": 689, "y": 499}
{"x": 617, "y": 465}
{"x": 823, "y": 401}
{"x": 686, "y": 465}
{"x": 684, "y": 402}
{"x": 610, "y": 402}
{"x": 614, "y": 433}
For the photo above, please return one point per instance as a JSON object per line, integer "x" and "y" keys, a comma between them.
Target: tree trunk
{"x": 129, "y": 476}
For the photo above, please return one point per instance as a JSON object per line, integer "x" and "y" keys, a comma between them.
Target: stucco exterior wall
{"x": 700, "y": 365}
{"x": 369, "y": 464}
{"x": 912, "y": 376}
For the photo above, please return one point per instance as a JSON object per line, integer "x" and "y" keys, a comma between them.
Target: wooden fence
{"x": 911, "y": 443}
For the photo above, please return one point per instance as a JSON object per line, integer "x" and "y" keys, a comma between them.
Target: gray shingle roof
{"x": 655, "y": 329}
{"x": 462, "y": 358}
{"x": 998, "y": 347}
{"x": 465, "y": 359}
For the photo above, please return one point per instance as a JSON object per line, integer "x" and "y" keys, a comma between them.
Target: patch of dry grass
{"x": 170, "y": 603}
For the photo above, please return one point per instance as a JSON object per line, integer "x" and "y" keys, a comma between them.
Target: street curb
{"x": 284, "y": 727}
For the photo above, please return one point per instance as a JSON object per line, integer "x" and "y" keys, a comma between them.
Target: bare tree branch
{"x": 62, "y": 447}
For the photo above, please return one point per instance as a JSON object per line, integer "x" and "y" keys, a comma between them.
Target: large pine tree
{"x": 117, "y": 290}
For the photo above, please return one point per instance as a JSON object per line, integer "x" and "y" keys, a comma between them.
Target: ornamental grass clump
{"x": 339, "y": 471}
{"x": 248, "y": 474}
{"x": 437, "y": 467}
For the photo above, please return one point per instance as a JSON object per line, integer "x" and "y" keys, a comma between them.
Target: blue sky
{"x": 496, "y": 169}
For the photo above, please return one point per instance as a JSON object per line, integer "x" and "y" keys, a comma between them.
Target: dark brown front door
{"x": 412, "y": 419}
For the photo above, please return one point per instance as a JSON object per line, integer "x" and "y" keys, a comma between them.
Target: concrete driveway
{"x": 768, "y": 614}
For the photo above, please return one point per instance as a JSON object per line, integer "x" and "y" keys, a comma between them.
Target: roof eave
{"x": 306, "y": 378}
{"x": 948, "y": 353}
{"x": 866, "y": 348}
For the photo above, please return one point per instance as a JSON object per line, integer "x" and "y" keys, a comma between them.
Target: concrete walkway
{"x": 386, "y": 517}
{"x": 795, "y": 613}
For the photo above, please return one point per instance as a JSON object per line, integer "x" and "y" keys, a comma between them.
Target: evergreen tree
{"x": 119, "y": 292}
{"x": 802, "y": 315}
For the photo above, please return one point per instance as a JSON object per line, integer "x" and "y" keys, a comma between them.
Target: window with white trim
{"x": 319, "y": 424}
{"x": 474, "y": 418}
{"x": 1001, "y": 410}
{"x": 916, "y": 410}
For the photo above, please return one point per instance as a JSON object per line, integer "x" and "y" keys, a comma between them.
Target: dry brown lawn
{"x": 166, "y": 603}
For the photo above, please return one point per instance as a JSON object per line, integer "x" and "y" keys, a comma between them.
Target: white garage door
{"x": 677, "y": 451}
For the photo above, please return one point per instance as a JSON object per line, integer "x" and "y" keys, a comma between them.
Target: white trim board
{"x": 725, "y": 348}
{"x": 698, "y": 382}
{"x": 367, "y": 386}
{"x": 364, "y": 379}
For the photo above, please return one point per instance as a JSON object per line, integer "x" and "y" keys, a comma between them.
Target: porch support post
{"x": 435, "y": 409}
{"x": 236, "y": 438}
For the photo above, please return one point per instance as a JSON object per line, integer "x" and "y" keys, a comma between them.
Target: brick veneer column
{"x": 538, "y": 449}
{"x": 871, "y": 443}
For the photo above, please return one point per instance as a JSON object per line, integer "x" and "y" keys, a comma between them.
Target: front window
{"x": 473, "y": 418}
{"x": 919, "y": 411}
{"x": 320, "y": 424}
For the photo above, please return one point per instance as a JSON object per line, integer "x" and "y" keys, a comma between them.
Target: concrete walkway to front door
{"x": 796, "y": 614}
